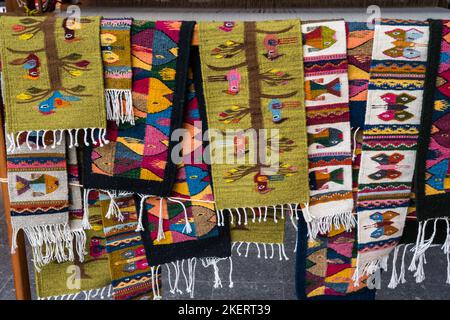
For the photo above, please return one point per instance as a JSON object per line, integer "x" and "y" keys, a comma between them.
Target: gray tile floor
{"x": 262, "y": 279}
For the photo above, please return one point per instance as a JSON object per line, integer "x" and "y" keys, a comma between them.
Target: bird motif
{"x": 227, "y": 26}
{"x": 276, "y": 106}
{"x": 262, "y": 182}
{"x": 234, "y": 80}
{"x": 96, "y": 248}
{"x": 31, "y": 64}
{"x": 56, "y": 100}
{"x": 272, "y": 43}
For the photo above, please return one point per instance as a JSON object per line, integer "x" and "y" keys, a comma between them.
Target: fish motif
{"x": 56, "y": 100}
{"x": 197, "y": 179}
{"x": 388, "y": 166}
{"x": 441, "y": 131}
{"x": 404, "y": 44}
{"x": 39, "y": 184}
{"x": 383, "y": 224}
{"x": 165, "y": 51}
{"x": 107, "y": 40}
{"x": 316, "y": 89}
{"x": 319, "y": 179}
{"x": 325, "y": 137}
{"x": 438, "y": 176}
{"x": 319, "y": 38}
{"x": 133, "y": 260}
{"x": 396, "y": 107}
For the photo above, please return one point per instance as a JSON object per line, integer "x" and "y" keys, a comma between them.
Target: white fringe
{"x": 370, "y": 268}
{"x": 48, "y": 242}
{"x": 119, "y": 105}
{"x": 105, "y": 292}
{"x": 281, "y": 249}
{"x": 85, "y": 222}
{"x": 323, "y": 225}
{"x": 422, "y": 245}
{"x": 243, "y": 215}
{"x": 212, "y": 261}
{"x": 97, "y": 138}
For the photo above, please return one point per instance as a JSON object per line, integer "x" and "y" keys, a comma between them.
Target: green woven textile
{"x": 253, "y": 79}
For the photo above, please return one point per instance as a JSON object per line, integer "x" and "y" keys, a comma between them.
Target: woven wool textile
{"x": 52, "y": 74}
{"x": 253, "y": 79}
{"x": 187, "y": 225}
{"x": 325, "y": 266}
{"x": 116, "y": 53}
{"x": 433, "y": 157}
{"x": 87, "y": 279}
{"x": 137, "y": 159}
{"x": 359, "y": 54}
{"x": 328, "y": 120}
{"x": 38, "y": 193}
{"x": 131, "y": 275}
{"x": 390, "y": 138}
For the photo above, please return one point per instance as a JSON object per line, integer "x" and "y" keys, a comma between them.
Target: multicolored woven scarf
{"x": 185, "y": 225}
{"x": 359, "y": 55}
{"x": 132, "y": 277}
{"x": 138, "y": 157}
{"x": 87, "y": 278}
{"x": 433, "y": 151}
{"x": 325, "y": 266}
{"x": 390, "y": 136}
{"x": 52, "y": 77}
{"x": 328, "y": 120}
{"x": 116, "y": 53}
{"x": 253, "y": 80}
{"x": 38, "y": 193}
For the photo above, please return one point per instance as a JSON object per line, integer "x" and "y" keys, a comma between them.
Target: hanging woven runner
{"x": 390, "y": 136}
{"x": 138, "y": 158}
{"x": 432, "y": 179}
{"x": 52, "y": 77}
{"x": 185, "y": 225}
{"x": 116, "y": 53}
{"x": 131, "y": 275}
{"x": 328, "y": 120}
{"x": 325, "y": 266}
{"x": 38, "y": 193}
{"x": 84, "y": 278}
{"x": 253, "y": 84}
